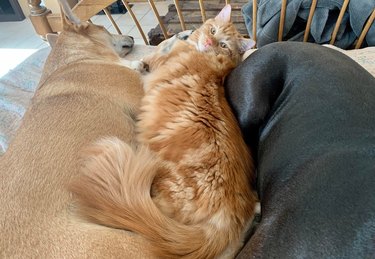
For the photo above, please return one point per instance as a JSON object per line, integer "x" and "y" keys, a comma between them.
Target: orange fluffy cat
{"x": 187, "y": 185}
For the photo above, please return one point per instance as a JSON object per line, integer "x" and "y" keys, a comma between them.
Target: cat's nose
{"x": 208, "y": 42}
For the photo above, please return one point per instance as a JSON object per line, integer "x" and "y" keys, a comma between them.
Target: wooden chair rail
{"x": 44, "y": 21}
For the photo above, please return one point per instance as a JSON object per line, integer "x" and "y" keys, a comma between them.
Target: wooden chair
{"x": 45, "y": 21}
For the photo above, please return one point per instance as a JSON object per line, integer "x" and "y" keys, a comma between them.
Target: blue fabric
{"x": 17, "y": 87}
{"x": 323, "y": 23}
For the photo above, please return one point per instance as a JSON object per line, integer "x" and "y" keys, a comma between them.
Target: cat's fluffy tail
{"x": 114, "y": 190}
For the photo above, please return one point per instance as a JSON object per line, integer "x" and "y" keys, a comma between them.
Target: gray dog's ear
{"x": 52, "y": 38}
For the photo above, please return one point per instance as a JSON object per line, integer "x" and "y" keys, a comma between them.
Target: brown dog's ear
{"x": 52, "y": 38}
{"x": 67, "y": 16}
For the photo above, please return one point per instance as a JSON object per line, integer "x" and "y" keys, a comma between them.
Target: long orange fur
{"x": 187, "y": 187}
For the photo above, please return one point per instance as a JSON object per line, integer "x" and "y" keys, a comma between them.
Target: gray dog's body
{"x": 308, "y": 113}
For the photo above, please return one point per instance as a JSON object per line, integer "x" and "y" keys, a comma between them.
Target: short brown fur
{"x": 84, "y": 94}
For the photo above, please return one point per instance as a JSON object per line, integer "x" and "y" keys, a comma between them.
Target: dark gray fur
{"x": 308, "y": 112}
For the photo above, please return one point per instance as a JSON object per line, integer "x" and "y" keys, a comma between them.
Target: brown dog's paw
{"x": 136, "y": 65}
{"x": 139, "y": 66}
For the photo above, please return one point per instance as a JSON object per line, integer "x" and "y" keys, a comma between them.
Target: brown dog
{"x": 84, "y": 94}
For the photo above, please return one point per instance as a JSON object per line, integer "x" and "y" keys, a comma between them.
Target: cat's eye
{"x": 223, "y": 45}
{"x": 213, "y": 30}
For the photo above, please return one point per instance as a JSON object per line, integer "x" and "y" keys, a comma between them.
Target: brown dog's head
{"x": 122, "y": 44}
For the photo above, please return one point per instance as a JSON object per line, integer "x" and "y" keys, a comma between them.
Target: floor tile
{"x": 14, "y": 34}
{"x": 101, "y": 20}
{"x": 136, "y": 34}
{"x": 163, "y": 7}
{"x": 141, "y": 8}
{"x": 149, "y": 19}
{"x": 126, "y": 20}
{"x": 125, "y": 29}
{"x": 31, "y": 42}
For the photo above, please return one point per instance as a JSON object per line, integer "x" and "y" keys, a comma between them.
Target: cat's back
{"x": 185, "y": 106}
{"x": 186, "y": 119}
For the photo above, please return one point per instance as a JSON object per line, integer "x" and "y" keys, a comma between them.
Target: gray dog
{"x": 308, "y": 114}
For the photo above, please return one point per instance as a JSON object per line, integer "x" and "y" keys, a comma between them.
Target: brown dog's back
{"x": 79, "y": 101}
{"x": 64, "y": 116}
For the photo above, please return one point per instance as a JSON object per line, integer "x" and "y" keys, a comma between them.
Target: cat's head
{"x": 219, "y": 36}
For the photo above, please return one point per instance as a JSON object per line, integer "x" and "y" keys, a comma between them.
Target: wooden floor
{"x": 193, "y": 18}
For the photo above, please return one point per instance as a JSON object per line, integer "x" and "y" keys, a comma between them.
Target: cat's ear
{"x": 224, "y": 14}
{"x": 246, "y": 44}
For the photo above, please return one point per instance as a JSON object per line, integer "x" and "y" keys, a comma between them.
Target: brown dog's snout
{"x": 128, "y": 45}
